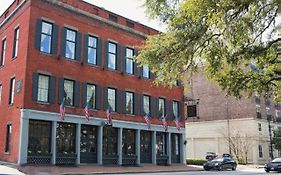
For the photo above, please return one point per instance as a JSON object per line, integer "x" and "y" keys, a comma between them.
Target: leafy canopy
{"x": 276, "y": 139}
{"x": 235, "y": 42}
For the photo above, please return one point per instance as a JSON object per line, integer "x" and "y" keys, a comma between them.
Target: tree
{"x": 276, "y": 139}
{"x": 224, "y": 37}
{"x": 239, "y": 144}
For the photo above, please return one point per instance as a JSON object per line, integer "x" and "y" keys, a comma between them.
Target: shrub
{"x": 190, "y": 161}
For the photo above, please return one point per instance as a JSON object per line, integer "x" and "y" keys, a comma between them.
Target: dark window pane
{"x": 128, "y": 140}
{"x": 39, "y": 137}
{"x": 66, "y": 134}
{"x": 8, "y": 137}
{"x": 109, "y": 141}
{"x": 88, "y": 142}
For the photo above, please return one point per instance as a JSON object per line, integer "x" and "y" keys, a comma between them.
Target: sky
{"x": 132, "y": 9}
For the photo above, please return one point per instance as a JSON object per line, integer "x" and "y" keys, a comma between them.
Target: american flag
{"x": 86, "y": 110}
{"x": 108, "y": 116}
{"x": 147, "y": 118}
{"x": 164, "y": 123}
{"x": 177, "y": 124}
{"x": 62, "y": 110}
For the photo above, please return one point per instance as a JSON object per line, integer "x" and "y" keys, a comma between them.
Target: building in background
{"x": 213, "y": 119}
{"x": 66, "y": 70}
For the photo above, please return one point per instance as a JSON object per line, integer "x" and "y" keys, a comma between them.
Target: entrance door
{"x": 146, "y": 147}
{"x": 88, "y": 144}
{"x": 175, "y": 140}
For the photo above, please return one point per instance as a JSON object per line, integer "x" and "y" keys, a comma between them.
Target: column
{"x": 182, "y": 148}
{"x": 137, "y": 141}
{"x": 154, "y": 147}
{"x": 169, "y": 147}
{"x": 119, "y": 146}
{"x": 23, "y": 140}
{"x": 99, "y": 153}
{"x": 78, "y": 135}
{"x": 54, "y": 142}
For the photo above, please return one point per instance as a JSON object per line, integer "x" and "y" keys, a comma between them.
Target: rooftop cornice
{"x": 95, "y": 17}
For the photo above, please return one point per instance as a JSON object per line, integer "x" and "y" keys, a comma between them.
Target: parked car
{"x": 220, "y": 164}
{"x": 274, "y": 165}
{"x": 210, "y": 156}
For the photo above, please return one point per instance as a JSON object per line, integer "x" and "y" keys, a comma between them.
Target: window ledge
{"x": 7, "y": 153}
{"x": 47, "y": 54}
{"x": 112, "y": 70}
{"x": 131, "y": 115}
{"x": 14, "y": 58}
{"x": 2, "y": 66}
{"x": 71, "y": 107}
{"x": 70, "y": 59}
{"x": 42, "y": 103}
{"x": 11, "y": 105}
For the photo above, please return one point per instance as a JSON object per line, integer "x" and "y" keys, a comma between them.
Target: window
{"x": 109, "y": 141}
{"x": 260, "y": 151}
{"x": 161, "y": 107}
{"x": 88, "y": 139}
{"x": 129, "y": 61}
{"x": 43, "y": 88}
{"x": 39, "y": 137}
{"x": 128, "y": 140}
{"x": 16, "y": 42}
{"x": 92, "y": 50}
{"x": 129, "y": 102}
{"x": 146, "y": 104}
{"x": 66, "y": 134}
{"x": 161, "y": 144}
{"x": 70, "y": 44}
{"x": 91, "y": 96}
{"x": 112, "y": 99}
{"x": 8, "y": 138}
{"x": 258, "y": 111}
{"x": 145, "y": 71}
{"x": 69, "y": 92}
{"x": 12, "y": 90}
{"x": 175, "y": 109}
{"x": 130, "y": 24}
{"x": 46, "y": 37}
{"x": 191, "y": 110}
{"x": 112, "y": 18}
{"x": 112, "y": 55}
{"x": 259, "y": 126}
{"x": 3, "y": 53}
{"x": 0, "y": 93}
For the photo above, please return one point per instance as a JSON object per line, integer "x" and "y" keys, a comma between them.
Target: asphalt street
{"x": 239, "y": 171}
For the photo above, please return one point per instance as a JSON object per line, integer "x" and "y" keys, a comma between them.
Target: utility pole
{"x": 269, "y": 118}
{"x": 228, "y": 124}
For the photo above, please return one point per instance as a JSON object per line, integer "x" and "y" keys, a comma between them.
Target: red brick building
{"x": 78, "y": 54}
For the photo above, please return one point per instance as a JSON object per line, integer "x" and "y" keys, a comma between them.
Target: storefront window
{"x": 128, "y": 140}
{"x": 39, "y": 137}
{"x": 109, "y": 141}
{"x": 66, "y": 138}
{"x": 161, "y": 143}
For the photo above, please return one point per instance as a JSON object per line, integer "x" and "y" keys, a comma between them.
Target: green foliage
{"x": 223, "y": 37}
{"x": 190, "y": 161}
{"x": 276, "y": 139}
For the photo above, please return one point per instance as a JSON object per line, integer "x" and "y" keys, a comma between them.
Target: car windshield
{"x": 217, "y": 160}
{"x": 277, "y": 160}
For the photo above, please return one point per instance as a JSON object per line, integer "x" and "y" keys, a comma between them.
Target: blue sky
{"x": 132, "y": 9}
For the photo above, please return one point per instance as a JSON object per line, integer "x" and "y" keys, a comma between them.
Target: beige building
{"x": 222, "y": 120}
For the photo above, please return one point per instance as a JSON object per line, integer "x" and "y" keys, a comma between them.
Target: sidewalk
{"x": 95, "y": 169}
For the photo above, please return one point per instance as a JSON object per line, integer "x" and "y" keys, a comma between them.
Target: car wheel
{"x": 220, "y": 168}
{"x": 267, "y": 170}
{"x": 206, "y": 169}
{"x": 234, "y": 167}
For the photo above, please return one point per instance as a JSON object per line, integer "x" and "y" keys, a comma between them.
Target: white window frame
{"x": 145, "y": 72}
{"x": 111, "y": 99}
{"x": 114, "y": 55}
{"x": 42, "y": 96}
{"x": 70, "y": 92}
{"x": 161, "y": 101}
{"x": 74, "y": 41}
{"x": 94, "y": 47}
{"x": 129, "y": 96}
{"x": 12, "y": 90}
{"x": 89, "y": 96}
{"x": 47, "y": 35}
{"x": 129, "y": 60}
{"x": 16, "y": 42}
{"x": 3, "y": 52}
{"x": 175, "y": 110}
{"x": 146, "y": 104}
